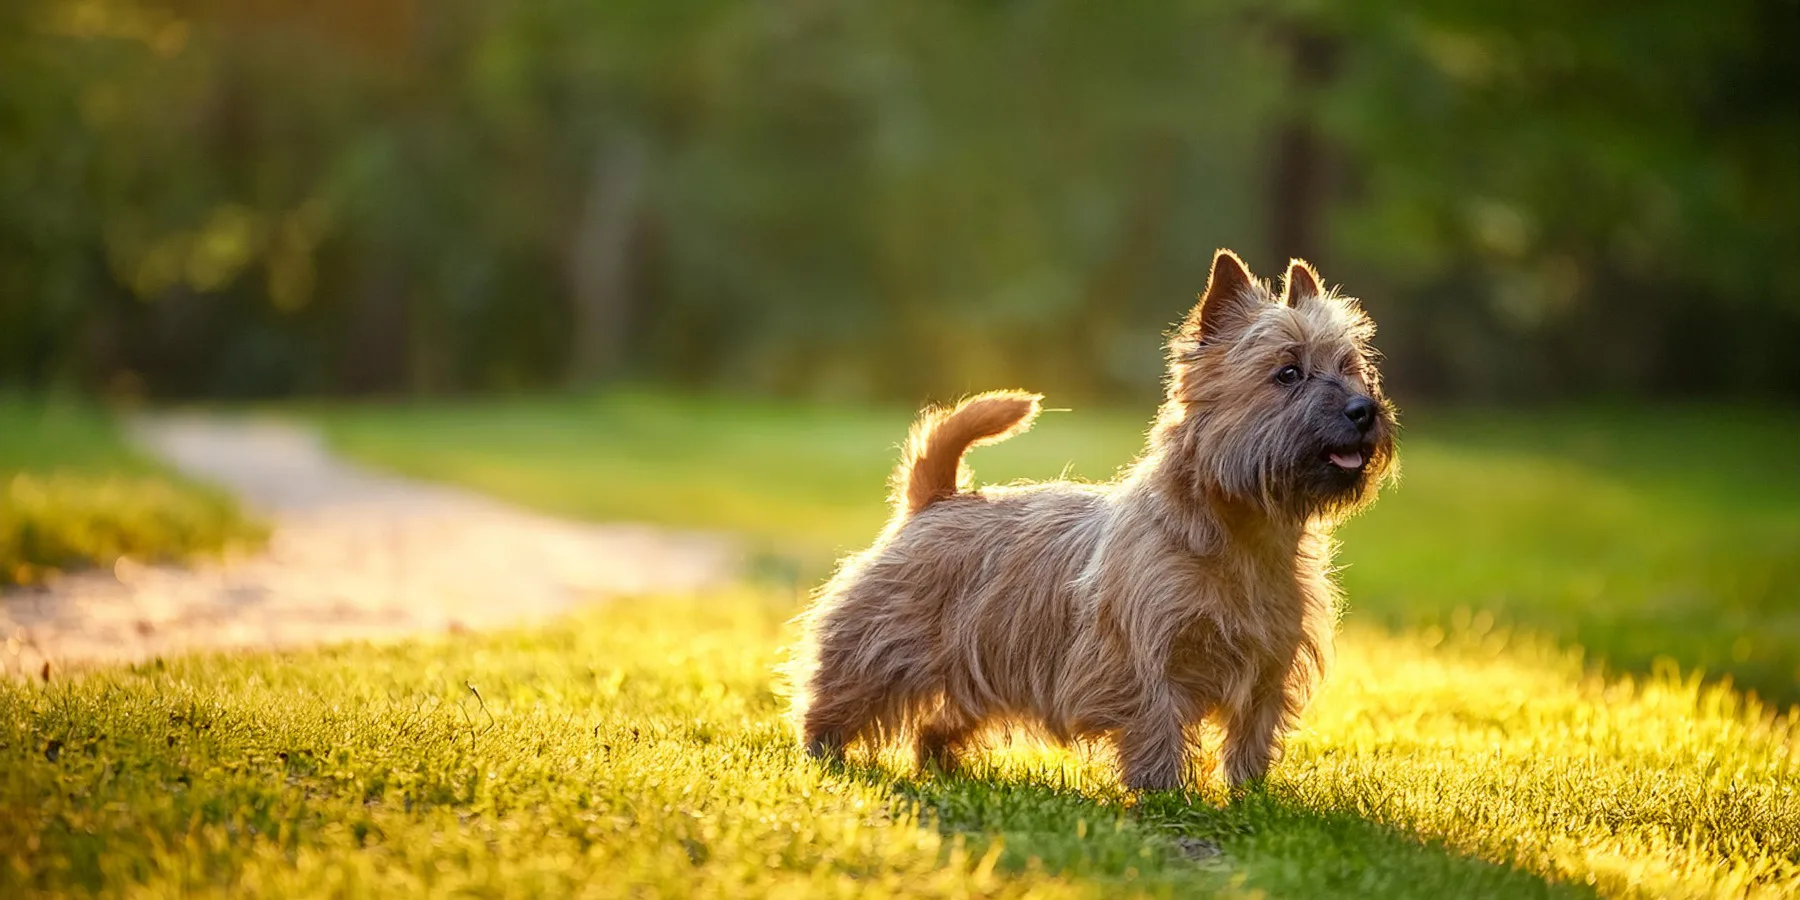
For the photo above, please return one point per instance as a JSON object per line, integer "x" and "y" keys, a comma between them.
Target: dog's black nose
{"x": 1361, "y": 413}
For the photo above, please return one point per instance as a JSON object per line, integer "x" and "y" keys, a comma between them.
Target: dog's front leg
{"x": 1253, "y": 729}
{"x": 1153, "y": 747}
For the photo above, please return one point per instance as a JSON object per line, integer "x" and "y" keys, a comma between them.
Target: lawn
{"x": 1466, "y": 746}
{"x": 1637, "y": 535}
{"x": 73, "y": 494}
{"x": 637, "y": 750}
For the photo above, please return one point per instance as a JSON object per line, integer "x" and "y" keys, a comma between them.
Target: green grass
{"x": 1466, "y": 746}
{"x": 1637, "y": 535}
{"x": 73, "y": 494}
{"x": 637, "y": 750}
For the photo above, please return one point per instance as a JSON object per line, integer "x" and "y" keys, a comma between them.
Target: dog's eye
{"x": 1289, "y": 375}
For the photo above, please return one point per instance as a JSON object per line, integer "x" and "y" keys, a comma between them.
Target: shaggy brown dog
{"x": 1195, "y": 587}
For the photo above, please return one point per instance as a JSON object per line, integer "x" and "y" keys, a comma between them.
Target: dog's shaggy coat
{"x": 1196, "y": 587}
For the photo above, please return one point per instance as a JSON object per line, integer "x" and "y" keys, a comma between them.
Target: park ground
{"x": 1572, "y": 644}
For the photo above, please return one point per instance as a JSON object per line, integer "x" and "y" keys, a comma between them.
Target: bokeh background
{"x": 267, "y": 198}
{"x": 696, "y": 263}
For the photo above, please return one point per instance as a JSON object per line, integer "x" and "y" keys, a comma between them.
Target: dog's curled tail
{"x": 931, "y": 464}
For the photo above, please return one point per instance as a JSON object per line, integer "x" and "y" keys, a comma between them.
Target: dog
{"x": 1194, "y": 588}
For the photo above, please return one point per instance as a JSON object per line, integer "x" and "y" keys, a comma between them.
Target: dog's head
{"x": 1278, "y": 394}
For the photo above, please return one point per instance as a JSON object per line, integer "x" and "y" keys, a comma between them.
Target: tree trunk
{"x": 1299, "y": 188}
{"x": 601, "y": 260}
{"x": 376, "y": 340}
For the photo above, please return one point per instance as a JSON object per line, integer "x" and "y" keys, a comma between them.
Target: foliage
{"x": 1585, "y": 196}
{"x": 1637, "y": 534}
{"x": 73, "y": 495}
{"x": 638, "y": 749}
{"x": 858, "y": 199}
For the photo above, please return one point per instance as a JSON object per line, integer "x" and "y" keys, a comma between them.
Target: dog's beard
{"x": 1306, "y": 478}
{"x": 1336, "y": 478}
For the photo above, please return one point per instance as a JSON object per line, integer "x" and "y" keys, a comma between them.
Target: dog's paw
{"x": 1248, "y": 783}
{"x": 825, "y": 750}
{"x": 1153, "y": 782}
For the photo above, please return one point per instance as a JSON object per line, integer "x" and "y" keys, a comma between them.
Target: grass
{"x": 1637, "y": 535}
{"x": 1466, "y": 746}
{"x": 637, "y": 750}
{"x": 73, "y": 495}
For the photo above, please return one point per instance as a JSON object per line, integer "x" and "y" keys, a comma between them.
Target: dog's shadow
{"x": 1065, "y": 821}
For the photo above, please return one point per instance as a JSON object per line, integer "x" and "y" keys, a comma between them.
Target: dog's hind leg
{"x": 828, "y": 727}
{"x": 857, "y": 692}
{"x": 839, "y": 711}
{"x": 942, "y": 738}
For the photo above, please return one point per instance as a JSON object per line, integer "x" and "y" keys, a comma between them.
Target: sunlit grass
{"x": 1634, "y": 534}
{"x": 638, "y": 750}
{"x": 73, "y": 494}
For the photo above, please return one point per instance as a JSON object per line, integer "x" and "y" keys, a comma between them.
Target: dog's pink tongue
{"x": 1347, "y": 460}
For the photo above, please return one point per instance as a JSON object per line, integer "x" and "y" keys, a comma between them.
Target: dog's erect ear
{"x": 1229, "y": 302}
{"x": 1302, "y": 283}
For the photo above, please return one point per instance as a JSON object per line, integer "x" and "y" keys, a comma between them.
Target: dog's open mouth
{"x": 1349, "y": 459}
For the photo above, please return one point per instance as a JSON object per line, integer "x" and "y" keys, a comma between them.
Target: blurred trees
{"x": 203, "y": 197}
{"x": 1578, "y": 196}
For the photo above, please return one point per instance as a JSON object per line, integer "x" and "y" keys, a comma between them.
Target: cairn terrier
{"x": 1195, "y": 588}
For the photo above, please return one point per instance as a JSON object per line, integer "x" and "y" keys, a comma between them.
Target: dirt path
{"x": 354, "y": 555}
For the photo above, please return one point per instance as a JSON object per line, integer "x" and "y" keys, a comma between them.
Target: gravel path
{"x": 353, "y": 555}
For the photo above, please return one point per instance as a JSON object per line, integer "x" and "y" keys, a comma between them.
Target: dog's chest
{"x": 1240, "y": 627}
